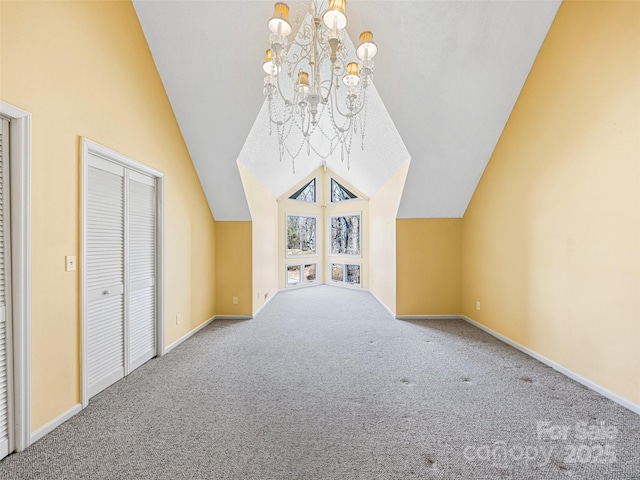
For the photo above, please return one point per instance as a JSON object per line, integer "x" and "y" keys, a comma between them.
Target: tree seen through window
{"x": 301, "y": 235}
{"x": 345, "y": 235}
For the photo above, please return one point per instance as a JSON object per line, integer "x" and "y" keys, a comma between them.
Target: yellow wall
{"x": 264, "y": 234}
{"x": 428, "y": 260}
{"x": 233, "y": 268}
{"x": 83, "y": 69}
{"x": 383, "y": 207}
{"x": 551, "y": 238}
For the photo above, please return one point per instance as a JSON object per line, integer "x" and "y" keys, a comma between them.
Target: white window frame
{"x": 286, "y": 239}
{"x": 302, "y": 280}
{"x": 344, "y": 267}
{"x": 330, "y": 254}
{"x": 330, "y": 197}
{"x": 317, "y": 184}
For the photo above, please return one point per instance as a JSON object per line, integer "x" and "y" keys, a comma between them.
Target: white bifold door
{"x": 120, "y": 236}
{"x": 5, "y": 294}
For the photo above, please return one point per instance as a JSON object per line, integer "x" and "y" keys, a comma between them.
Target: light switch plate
{"x": 70, "y": 263}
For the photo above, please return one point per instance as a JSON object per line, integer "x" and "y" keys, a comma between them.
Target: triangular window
{"x": 340, "y": 193}
{"x": 306, "y": 193}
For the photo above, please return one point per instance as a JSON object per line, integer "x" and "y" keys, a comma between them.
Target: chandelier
{"x": 316, "y": 98}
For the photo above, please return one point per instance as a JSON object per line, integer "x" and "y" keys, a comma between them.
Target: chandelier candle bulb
{"x": 367, "y": 48}
{"x": 279, "y": 23}
{"x": 268, "y": 66}
{"x": 303, "y": 84}
{"x": 303, "y": 78}
{"x": 336, "y": 16}
{"x": 351, "y": 79}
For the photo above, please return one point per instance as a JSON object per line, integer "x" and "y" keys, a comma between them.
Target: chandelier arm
{"x": 299, "y": 125}
{"x": 280, "y": 123}
{"x": 336, "y": 105}
{"x": 360, "y": 108}
{"x": 284, "y": 99}
{"x": 303, "y": 45}
{"x": 316, "y": 65}
{"x": 344, "y": 130}
{"x": 362, "y": 104}
{"x": 303, "y": 34}
{"x": 334, "y": 71}
{"x": 307, "y": 127}
{"x": 324, "y": 86}
{"x": 277, "y": 122}
{"x": 298, "y": 60}
{"x": 348, "y": 116}
{"x": 333, "y": 76}
{"x": 323, "y": 52}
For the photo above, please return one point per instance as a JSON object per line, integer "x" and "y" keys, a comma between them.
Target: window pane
{"x": 306, "y": 193}
{"x": 301, "y": 235}
{"x": 310, "y": 273}
{"x": 345, "y": 235}
{"x": 340, "y": 193}
{"x": 337, "y": 272}
{"x": 353, "y": 274}
{"x": 293, "y": 274}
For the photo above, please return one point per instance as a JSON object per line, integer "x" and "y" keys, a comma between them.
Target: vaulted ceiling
{"x": 447, "y": 76}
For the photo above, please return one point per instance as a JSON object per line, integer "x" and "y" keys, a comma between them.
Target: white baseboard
{"x": 56, "y": 422}
{"x": 384, "y": 305}
{"x": 188, "y": 335}
{"x": 265, "y": 303}
{"x": 565, "y": 371}
{"x": 428, "y": 317}
{"x": 168, "y": 348}
{"x": 233, "y": 317}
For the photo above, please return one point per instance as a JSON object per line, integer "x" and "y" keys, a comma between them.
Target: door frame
{"x": 20, "y": 198}
{"x": 90, "y": 147}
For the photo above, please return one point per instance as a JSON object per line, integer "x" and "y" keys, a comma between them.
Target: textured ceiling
{"x": 448, "y": 73}
{"x": 366, "y": 168}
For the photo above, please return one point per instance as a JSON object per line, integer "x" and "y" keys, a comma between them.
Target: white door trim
{"x": 20, "y": 179}
{"x": 89, "y": 147}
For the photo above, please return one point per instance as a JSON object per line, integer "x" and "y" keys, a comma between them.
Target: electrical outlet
{"x": 70, "y": 263}
{"x": 178, "y": 319}
{"x": 235, "y": 300}
{"x": 477, "y": 305}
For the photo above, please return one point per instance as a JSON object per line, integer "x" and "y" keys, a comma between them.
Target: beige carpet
{"x": 323, "y": 384}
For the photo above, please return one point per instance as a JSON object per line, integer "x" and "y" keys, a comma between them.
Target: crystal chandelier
{"x": 316, "y": 97}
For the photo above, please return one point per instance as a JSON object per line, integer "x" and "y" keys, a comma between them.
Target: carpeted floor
{"x": 324, "y": 384}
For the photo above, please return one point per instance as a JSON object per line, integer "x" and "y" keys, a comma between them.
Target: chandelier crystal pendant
{"x": 316, "y": 98}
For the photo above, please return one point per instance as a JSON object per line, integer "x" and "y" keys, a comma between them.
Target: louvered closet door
{"x": 141, "y": 254}
{"x": 104, "y": 274}
{"x": 4, "y": 291}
